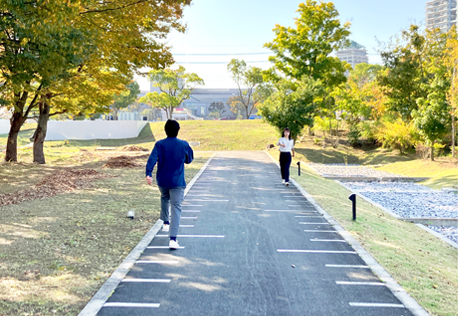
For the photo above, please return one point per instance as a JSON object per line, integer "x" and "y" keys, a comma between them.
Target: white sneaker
{"x": 165, "y": 228}
{"x": 287, "y": 184}
{"x": 283, "y": 181}
{"x": 173, "y": 244}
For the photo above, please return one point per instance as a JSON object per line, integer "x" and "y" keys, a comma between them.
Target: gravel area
{"x": 341, "y": 170}
{"x": 409, "y": 200}
{"x": 449, "y": 232}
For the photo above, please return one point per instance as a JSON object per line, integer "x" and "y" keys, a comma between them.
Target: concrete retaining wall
{"x": 4, "y": 126}
{"x": 84, "y": 130}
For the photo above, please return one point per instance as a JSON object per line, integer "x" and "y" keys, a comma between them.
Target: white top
{"x": 289, "y": 144}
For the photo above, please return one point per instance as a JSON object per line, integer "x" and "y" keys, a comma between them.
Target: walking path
{"x": 251, "y": 246}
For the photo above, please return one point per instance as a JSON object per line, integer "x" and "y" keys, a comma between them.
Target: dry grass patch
{"x": 56, "y": 252}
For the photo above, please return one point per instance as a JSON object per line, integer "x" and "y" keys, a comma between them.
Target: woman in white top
{"x": 286, "y": 152}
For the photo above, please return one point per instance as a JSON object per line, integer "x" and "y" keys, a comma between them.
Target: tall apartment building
{"x": 440, "y": 14}
{"x": 353, "y": 54}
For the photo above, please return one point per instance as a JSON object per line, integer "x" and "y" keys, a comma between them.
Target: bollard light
{"x": 298, "y": 168}
{"x": 131, "y": 214}
{"x": 352, "y": 198}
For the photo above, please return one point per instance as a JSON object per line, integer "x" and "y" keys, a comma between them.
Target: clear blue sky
{"x": 218, "y": 28}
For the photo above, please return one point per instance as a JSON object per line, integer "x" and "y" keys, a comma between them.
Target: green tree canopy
{"x": 175, "y": 86}
{"x": 304, "y": 50}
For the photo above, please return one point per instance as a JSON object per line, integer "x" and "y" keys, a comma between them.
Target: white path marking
{"x": 188, "y": 226}
{"x": 328, "y": 240}
{"x": 194, "y": 236}
{"x": 357, "y": 304}
{"x": 349, "y": 266}
{"x": 313, "y": 216}
{"x": 141, "y": 305}
{"x": 315, "y": 251}
{"x": 360, "y": 283}
{"x": 187, "y": 217}
{"x": 293, "y": 196}
{"x": 303, "y": 223}
{"x": 320, "y": 231}
{"x": 283, "y": 210}
{"x": 201, "y": 200}
{"x": 191, "y": 205}
{"x": 190, "y": 211}
{"x": 146, "y": 280}
{"x": 162, "y": 247}
{"x": 158, "y": 261}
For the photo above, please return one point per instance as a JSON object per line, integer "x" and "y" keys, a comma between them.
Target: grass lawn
{"x": 55, "y": 253}
{"x": 441, "y": 173}
{"x": 423, "y": 264}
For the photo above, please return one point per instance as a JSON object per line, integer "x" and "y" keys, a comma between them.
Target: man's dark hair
{"x": 283, "y": 133}
{"x": 171, "y": 128}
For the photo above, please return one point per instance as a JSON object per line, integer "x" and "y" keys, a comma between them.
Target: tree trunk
{"x": 453, "y": 135}
{"x": 11, "y": 147}
{"x": 432, "y": 151}
{"x": 40, "y": 134}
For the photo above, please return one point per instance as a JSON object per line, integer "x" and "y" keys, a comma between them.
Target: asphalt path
{"x": 251, "y": 246}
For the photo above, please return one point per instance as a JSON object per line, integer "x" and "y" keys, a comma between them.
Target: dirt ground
{"x": 63, "y": 228}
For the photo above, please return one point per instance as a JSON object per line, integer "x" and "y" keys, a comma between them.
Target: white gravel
{"x": 409, "y": 200}
{"x": 450, "y": 232}
{"x": 341, "y": 170}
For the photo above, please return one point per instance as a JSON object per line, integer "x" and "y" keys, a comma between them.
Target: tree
{"x": 35, "y": 48}
{"x": 292, "y": 105}
{"x": 217, "y": 107}
{"x": 125, "y": 98}
{"x": 175, "y": 86}
{"x": 41, "y": 41}
{"x": 406, "y": 78}
{"x": 305, "y": 50}
{"x": 451, "y": 61}
{"x": 248, "y": 79}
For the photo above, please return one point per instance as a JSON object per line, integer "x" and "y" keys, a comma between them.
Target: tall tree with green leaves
{"x": 305, "y": 50}
{"x": 175, "y": 85}
{"x": 251, "y": 86}
{"x": 292, "y": 105}
{"x": 302, "y": 53}
{"x": 406, "y": 78}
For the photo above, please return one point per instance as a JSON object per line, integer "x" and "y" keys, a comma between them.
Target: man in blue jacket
{"x": 170, "y": 154}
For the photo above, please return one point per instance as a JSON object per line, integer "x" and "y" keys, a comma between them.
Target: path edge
{"x": 408, "y": 301}
{"x": 102, "y": 295}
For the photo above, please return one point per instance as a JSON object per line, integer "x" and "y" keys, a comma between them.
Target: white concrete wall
{"x": 81, "y": 130}
{"x": 4, "y": 126}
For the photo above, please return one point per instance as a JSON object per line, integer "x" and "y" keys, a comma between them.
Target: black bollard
{"x": 298, "y": 168}
{"x": 352, "y": 198}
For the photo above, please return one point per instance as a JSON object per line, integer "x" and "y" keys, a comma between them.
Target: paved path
{"x": 251, "y": 247}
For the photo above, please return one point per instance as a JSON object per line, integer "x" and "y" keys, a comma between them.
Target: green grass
{"x": 442, "y": 173}
{"x": 424, "y": 265}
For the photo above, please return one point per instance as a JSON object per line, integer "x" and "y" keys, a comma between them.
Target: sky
{"x": 219, "y": 30}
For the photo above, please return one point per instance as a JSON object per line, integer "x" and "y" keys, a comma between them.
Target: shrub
{"x": 397, "y": 135}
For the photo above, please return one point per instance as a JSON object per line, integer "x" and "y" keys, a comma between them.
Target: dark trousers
{"x": 285, "y": 163}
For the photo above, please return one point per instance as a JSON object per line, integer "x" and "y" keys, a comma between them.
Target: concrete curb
{"x": 438, "y": 235}
{"x": 384, "y": 276}
{"x": 97, "y": 301}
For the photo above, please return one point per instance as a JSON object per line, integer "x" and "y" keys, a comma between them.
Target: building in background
{"x": 440, "y": 14}
{"x": 353, "y": 54}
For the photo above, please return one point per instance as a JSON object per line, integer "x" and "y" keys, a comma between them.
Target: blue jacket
{"x": 170, "y": 154}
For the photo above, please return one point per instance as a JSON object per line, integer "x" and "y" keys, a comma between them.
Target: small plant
{"x": 354, "y": 135}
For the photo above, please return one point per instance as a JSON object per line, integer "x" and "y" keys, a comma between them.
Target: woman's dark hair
{"x": 171, "y": 128}
{"x": 283, "y": 133}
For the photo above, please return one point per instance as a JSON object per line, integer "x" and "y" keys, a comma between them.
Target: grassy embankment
{"x": 425, "y": 266}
